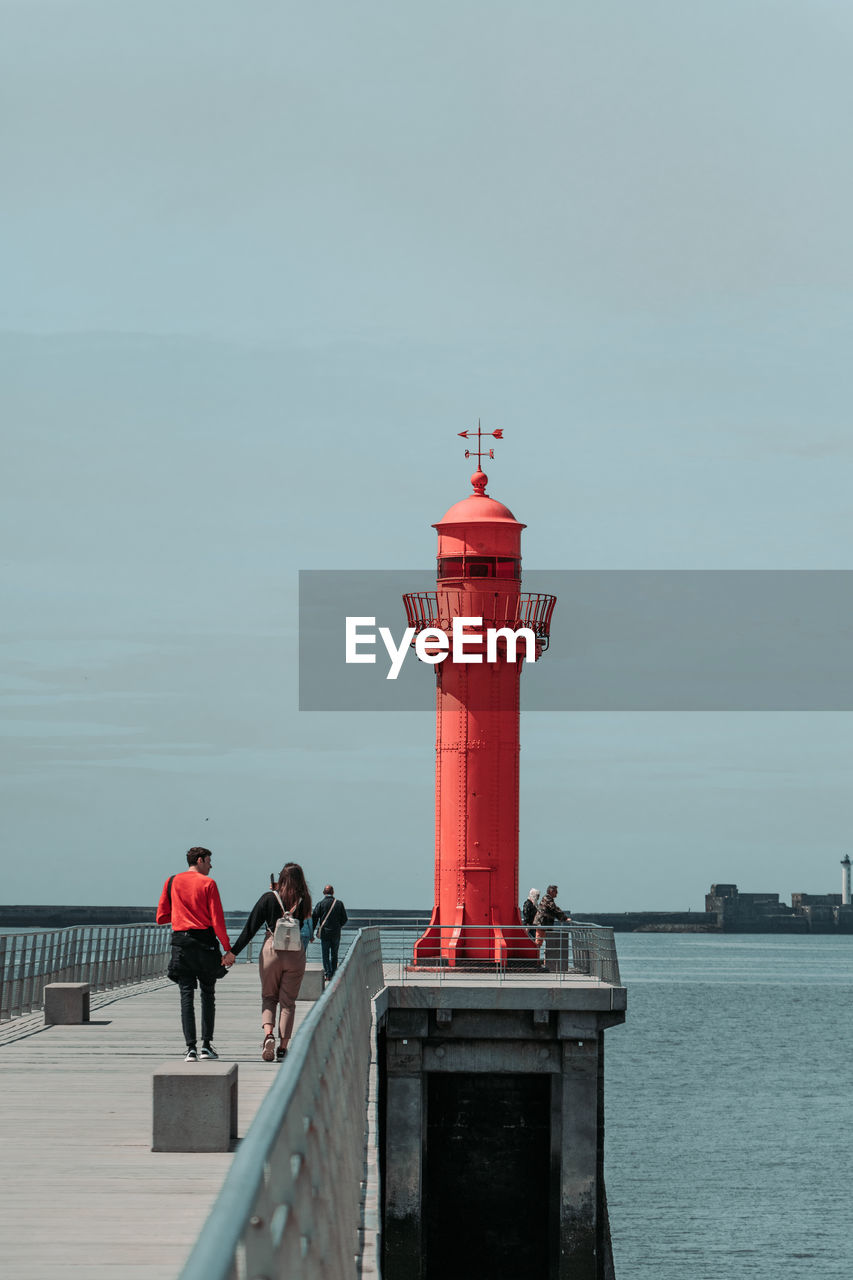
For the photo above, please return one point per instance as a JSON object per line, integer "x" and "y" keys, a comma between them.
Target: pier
{"x": 83, "y": 1193}
{"x": 349, "y": 1130}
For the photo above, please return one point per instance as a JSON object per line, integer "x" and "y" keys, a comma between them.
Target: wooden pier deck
{"x": 84, "y": 1197}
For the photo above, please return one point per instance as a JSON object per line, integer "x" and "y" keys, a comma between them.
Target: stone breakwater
{"x": 63, "y": 916}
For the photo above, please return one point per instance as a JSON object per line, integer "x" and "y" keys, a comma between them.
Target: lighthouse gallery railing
{"x": 568, "y": 953}
{"x": 496, "y": 608}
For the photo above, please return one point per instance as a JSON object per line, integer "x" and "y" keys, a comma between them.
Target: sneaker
{"x": 280, "y": 1054}
{"x": 192, "y": 1055}
{"x": 268, "y": 1048}
{"x": 208, "y": 1051}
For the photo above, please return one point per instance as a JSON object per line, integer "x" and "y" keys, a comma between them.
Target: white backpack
{"x": 287, "y": 935}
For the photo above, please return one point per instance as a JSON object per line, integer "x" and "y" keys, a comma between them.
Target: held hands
{"x": 228, "y": 959}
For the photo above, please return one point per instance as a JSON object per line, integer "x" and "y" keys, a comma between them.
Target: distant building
{"x": 825, "y": 912}
{"x": 738, "y": 912}
{"x": 747, "y": 911}
{"x": 801, "y": 900}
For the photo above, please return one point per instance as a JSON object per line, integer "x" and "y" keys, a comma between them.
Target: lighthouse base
{"x": 467, "y": 943}
{"x": 493, "y": 1123}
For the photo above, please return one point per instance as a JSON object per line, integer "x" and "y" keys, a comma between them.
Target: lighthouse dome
{"x": 476, "y": 508}
{"x": 479, "y": 526}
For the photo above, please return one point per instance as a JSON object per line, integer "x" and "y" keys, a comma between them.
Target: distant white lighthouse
{"x": 845, "y": 880}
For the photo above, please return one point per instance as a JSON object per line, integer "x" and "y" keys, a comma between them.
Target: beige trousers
{"x": 281, "y": 977}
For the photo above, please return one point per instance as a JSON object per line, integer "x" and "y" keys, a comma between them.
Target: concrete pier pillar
{"x": 579, "y": 1157}
{"x": 493, "y": 1123}
{"x": 404, "y": 1146}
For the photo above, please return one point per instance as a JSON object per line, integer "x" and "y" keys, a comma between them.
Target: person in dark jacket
{"x": 547, "y": 913}
{"x": 281, "y": 971}
{"x": 330, "y": 916}
{"x": 528, "y": 911}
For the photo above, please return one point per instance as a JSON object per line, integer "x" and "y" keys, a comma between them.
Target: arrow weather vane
{"x": 479, "y": 453}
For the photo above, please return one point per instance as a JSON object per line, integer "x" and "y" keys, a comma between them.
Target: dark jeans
{"x": 329, "y": 943}
{"x": 208, "y": 1009}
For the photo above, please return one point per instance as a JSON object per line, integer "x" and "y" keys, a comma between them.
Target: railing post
{"x": 23, "y": 978}
{"x": 126, "y": 956}
{"x": 111, "y": 966}
{"x": 33, "y": 977}
{"x": 22, "y": 960}
{"x": 4, "y": 981}
{"x": 86, "y": 956}
{"x": 63, "y": 943}
{"x": 25, "y": 974}
{"x": 52, "y": 965}
{"x": 76, "y": 959}
{"x": 96, "y": 957}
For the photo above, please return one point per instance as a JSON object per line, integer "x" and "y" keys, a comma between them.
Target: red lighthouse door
{"x": 478, "y": 911}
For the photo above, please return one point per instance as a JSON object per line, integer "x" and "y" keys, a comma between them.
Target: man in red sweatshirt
{"x": 190, "y": 903}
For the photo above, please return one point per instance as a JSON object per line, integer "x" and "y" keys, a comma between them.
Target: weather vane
{"x": 479, "y": 453}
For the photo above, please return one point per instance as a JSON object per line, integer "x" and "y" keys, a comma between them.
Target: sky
{"x": 261, "y": 263}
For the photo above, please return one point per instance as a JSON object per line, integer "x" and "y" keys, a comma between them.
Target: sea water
{"x": 729, "y": 1108}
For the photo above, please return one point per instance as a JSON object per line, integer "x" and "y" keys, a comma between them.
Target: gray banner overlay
{"x": 644, "y": 640}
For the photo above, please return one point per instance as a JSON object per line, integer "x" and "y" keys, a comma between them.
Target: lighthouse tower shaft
{"x": 478, "y": 590}
{"x": 476, "y": 793}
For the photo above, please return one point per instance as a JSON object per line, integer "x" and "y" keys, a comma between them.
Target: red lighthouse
{"x": 478, "y": 591}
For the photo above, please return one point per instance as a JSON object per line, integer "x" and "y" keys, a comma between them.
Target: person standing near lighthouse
{"x": 528, "y": 910}
{"x": 548, "y": 913}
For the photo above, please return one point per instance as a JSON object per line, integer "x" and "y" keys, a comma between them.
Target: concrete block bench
{"x": 66, "y": 1002}
{"x": 195, "y": 1106}
{"x": 312, "y": 982}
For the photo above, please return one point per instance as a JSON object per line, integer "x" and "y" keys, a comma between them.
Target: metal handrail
{"x": 290, "y": 1205}
{"x": 567, "y": 952}
{"x": 105, "y": 956}
{"x": 358, "y": 920}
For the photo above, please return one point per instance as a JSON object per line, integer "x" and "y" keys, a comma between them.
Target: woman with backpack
{"x": 282, "y": 960}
